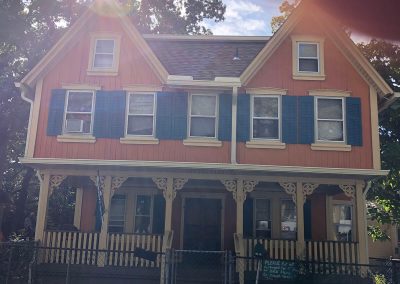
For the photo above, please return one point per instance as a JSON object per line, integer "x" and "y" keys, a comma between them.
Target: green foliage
{"x": 286, "y": 9}
{"x": 379, "y": 279}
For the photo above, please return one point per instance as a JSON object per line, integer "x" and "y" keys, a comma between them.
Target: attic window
{"x": 104, "y": 55}
{"x": 308, "y": 58}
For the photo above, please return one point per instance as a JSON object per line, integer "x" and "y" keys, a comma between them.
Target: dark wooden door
{"x": 202, "y": 224}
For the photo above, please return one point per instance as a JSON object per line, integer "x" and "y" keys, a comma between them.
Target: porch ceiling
{"x": 197, "y": 170}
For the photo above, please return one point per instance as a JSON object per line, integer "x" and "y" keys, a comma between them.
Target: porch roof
{"x": 125, "y": 167}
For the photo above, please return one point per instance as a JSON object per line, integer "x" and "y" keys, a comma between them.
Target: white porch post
{"x": 168, "y": 205}
{"x": 107, "y": 201}
{"x": 300, "y": 244}
{"x": 78, "y": 207}
{"x": 42, "y": 206}
{"x": 361, "y": 223}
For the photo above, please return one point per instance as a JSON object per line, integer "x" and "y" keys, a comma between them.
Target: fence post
{"x": 231, "y": 263}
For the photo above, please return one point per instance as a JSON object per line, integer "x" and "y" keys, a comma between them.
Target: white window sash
{"x": 330, "y": 120}
{"x": 153, "y": 115}
{"x": 308, "y": 57}
{"x": 215, "y": 116}
{"x": 66, "y": 112}
{"x": 104, "y": 53}
{"x": 150, "y": 215}
{"x": 278, "y": 118}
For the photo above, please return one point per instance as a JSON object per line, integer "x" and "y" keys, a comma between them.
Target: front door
{"x": 202, "y": 224}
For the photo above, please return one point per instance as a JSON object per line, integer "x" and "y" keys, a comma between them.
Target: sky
{"x": 246, "y": 17}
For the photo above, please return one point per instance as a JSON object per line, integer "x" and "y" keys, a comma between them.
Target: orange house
{"x": 208, "y": 142}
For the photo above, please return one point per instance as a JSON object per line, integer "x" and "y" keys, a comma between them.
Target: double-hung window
{"x": 140, "y": 114}
{"x": 104, "y": 53}
{"x": 330, "y": 126}
{"x": 203, "y": 116}
{"x": 117, "y": 214}
{"x": 266, "y": 117}
{"x": 78, "y": 117}
{"x": 263, "y": 223}
{"x": 143, "y": 214}
{"x": 308, "y": 57}
{"x": 342, "y": 222}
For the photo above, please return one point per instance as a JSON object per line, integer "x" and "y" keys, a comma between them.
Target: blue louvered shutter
{"x": 116, "y": 114}
{"x": 225, "y": 117}
{"x": 243, "y": 118}
{"x": 179, "y": 116}
{"x": 248, "y": 218}
{"x": 109, "y": 116}
{"x": 56, "y": 112}
{"x": 164, "y": 116}
{"x": 306, "y": 119}
{"x": 289, "y": 119}
{"x": 353, "y": 121}
{"x": 158, "y": 214}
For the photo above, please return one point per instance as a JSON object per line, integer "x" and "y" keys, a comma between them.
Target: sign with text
{"x": 279, "y": 269}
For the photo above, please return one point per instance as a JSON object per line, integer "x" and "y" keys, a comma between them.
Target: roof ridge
{"x": 204, "y": 37}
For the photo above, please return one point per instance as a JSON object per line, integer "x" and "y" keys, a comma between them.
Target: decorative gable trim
{"x": 340, "y": 39}
{"x": 70, "y": 37}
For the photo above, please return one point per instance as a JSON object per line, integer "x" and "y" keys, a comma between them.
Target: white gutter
{"x": 218, "y": 82}
{"x": 24, "y": 92}
{"x": 234, "y": 122}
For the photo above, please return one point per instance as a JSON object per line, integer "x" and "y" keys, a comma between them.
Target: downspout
{"x": 24, "y": 95}
{"x": 367, "y": 188}
{"x": 234, "y": 122}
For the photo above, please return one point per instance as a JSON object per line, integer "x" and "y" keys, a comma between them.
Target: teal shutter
{"x": 306, "y": 119}
{"x": 248, "y": 219}
{"x": 158, "y": 214}
{"x": 289, "y": 119}
{"x": 56, "y": 112}
{"x": 179, "y": 116}
{"x": 171, "y": 118}
{"x": 109, "y": 117}
{"x": 353, "y": 121}
{"x": 225, "y": 117}
{"x": 243, "y": 118}
{"x": 164, "y": 116}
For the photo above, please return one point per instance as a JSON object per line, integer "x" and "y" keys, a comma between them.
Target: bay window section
{"x": 78, "y": 117}
{"x": 265, "y": 117}
{"x": 288, "y": 220}
{"x": 330, "y": 125}
{"x": 263, "y": 224}
{"x": 342, "y": 222}
{"x": 116, "y": 222}
{"x": 203, "y": 116}
{"x": 140, "y": 115}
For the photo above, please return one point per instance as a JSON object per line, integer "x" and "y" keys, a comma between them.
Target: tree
{"x": 384, "y": 196}
{"x": 286, "y": 9}
{"x": 28, "y": 29}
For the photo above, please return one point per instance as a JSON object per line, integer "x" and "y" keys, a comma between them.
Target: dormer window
{"x": 78, "y": 112}
{"x": 308, "y": 58}
{"x": 104, "y": 54}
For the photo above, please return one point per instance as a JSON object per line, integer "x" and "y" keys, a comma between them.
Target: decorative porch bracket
{"x": 116, "y": 183}
{"x": 308, "y": 189}
{"x": 349, "y": 190}
{"x": 55, "y": 181}
{"x": 290, "y": 188}
{"x": 169, "y": 192}
{"x": 239, "y": 188}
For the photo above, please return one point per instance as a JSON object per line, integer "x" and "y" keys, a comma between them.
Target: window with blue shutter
{"x": 109, "y": 119}
{"x": 225, "y": 117}
{"x": 158, "y": 214}
{"x": 289, "y": 119}
{"x": 353, "y": 121}
{"x": 56, "y": 112}
{"x": 171, "y": 117}
{"x": 243, "y": 118}
{"x": 306, "y": 119}
{"x": 248, "y": 212}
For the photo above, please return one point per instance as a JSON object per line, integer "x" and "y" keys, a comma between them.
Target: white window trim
{"x": 304, "y": 75}
{"x": 139, "y": 139}
{"x": 280, "y": 217}
{"x": 126, "y": 205}
{"x": 299, "y": 57}
{"x": 78, "y": 137}
{"x": 258, "y": 141}
{"x": 321, "y": 143}
{"x": 202, "y": 140}
{"x": 113, "y": 71}
{"x": 329, "y": 216}
{"x": 151, "y": 211}
{"x": 255, "y": 215}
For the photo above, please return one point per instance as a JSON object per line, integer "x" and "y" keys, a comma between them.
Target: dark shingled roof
{"x": 205, "y": 57}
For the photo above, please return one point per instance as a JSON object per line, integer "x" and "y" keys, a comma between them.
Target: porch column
{"x": 361, "y": 223}
{"x": 48, "y": 183}
{"x": 106, "y": 185}
{"x": 300, "y": 244}
{"x": 169, "y": 187}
